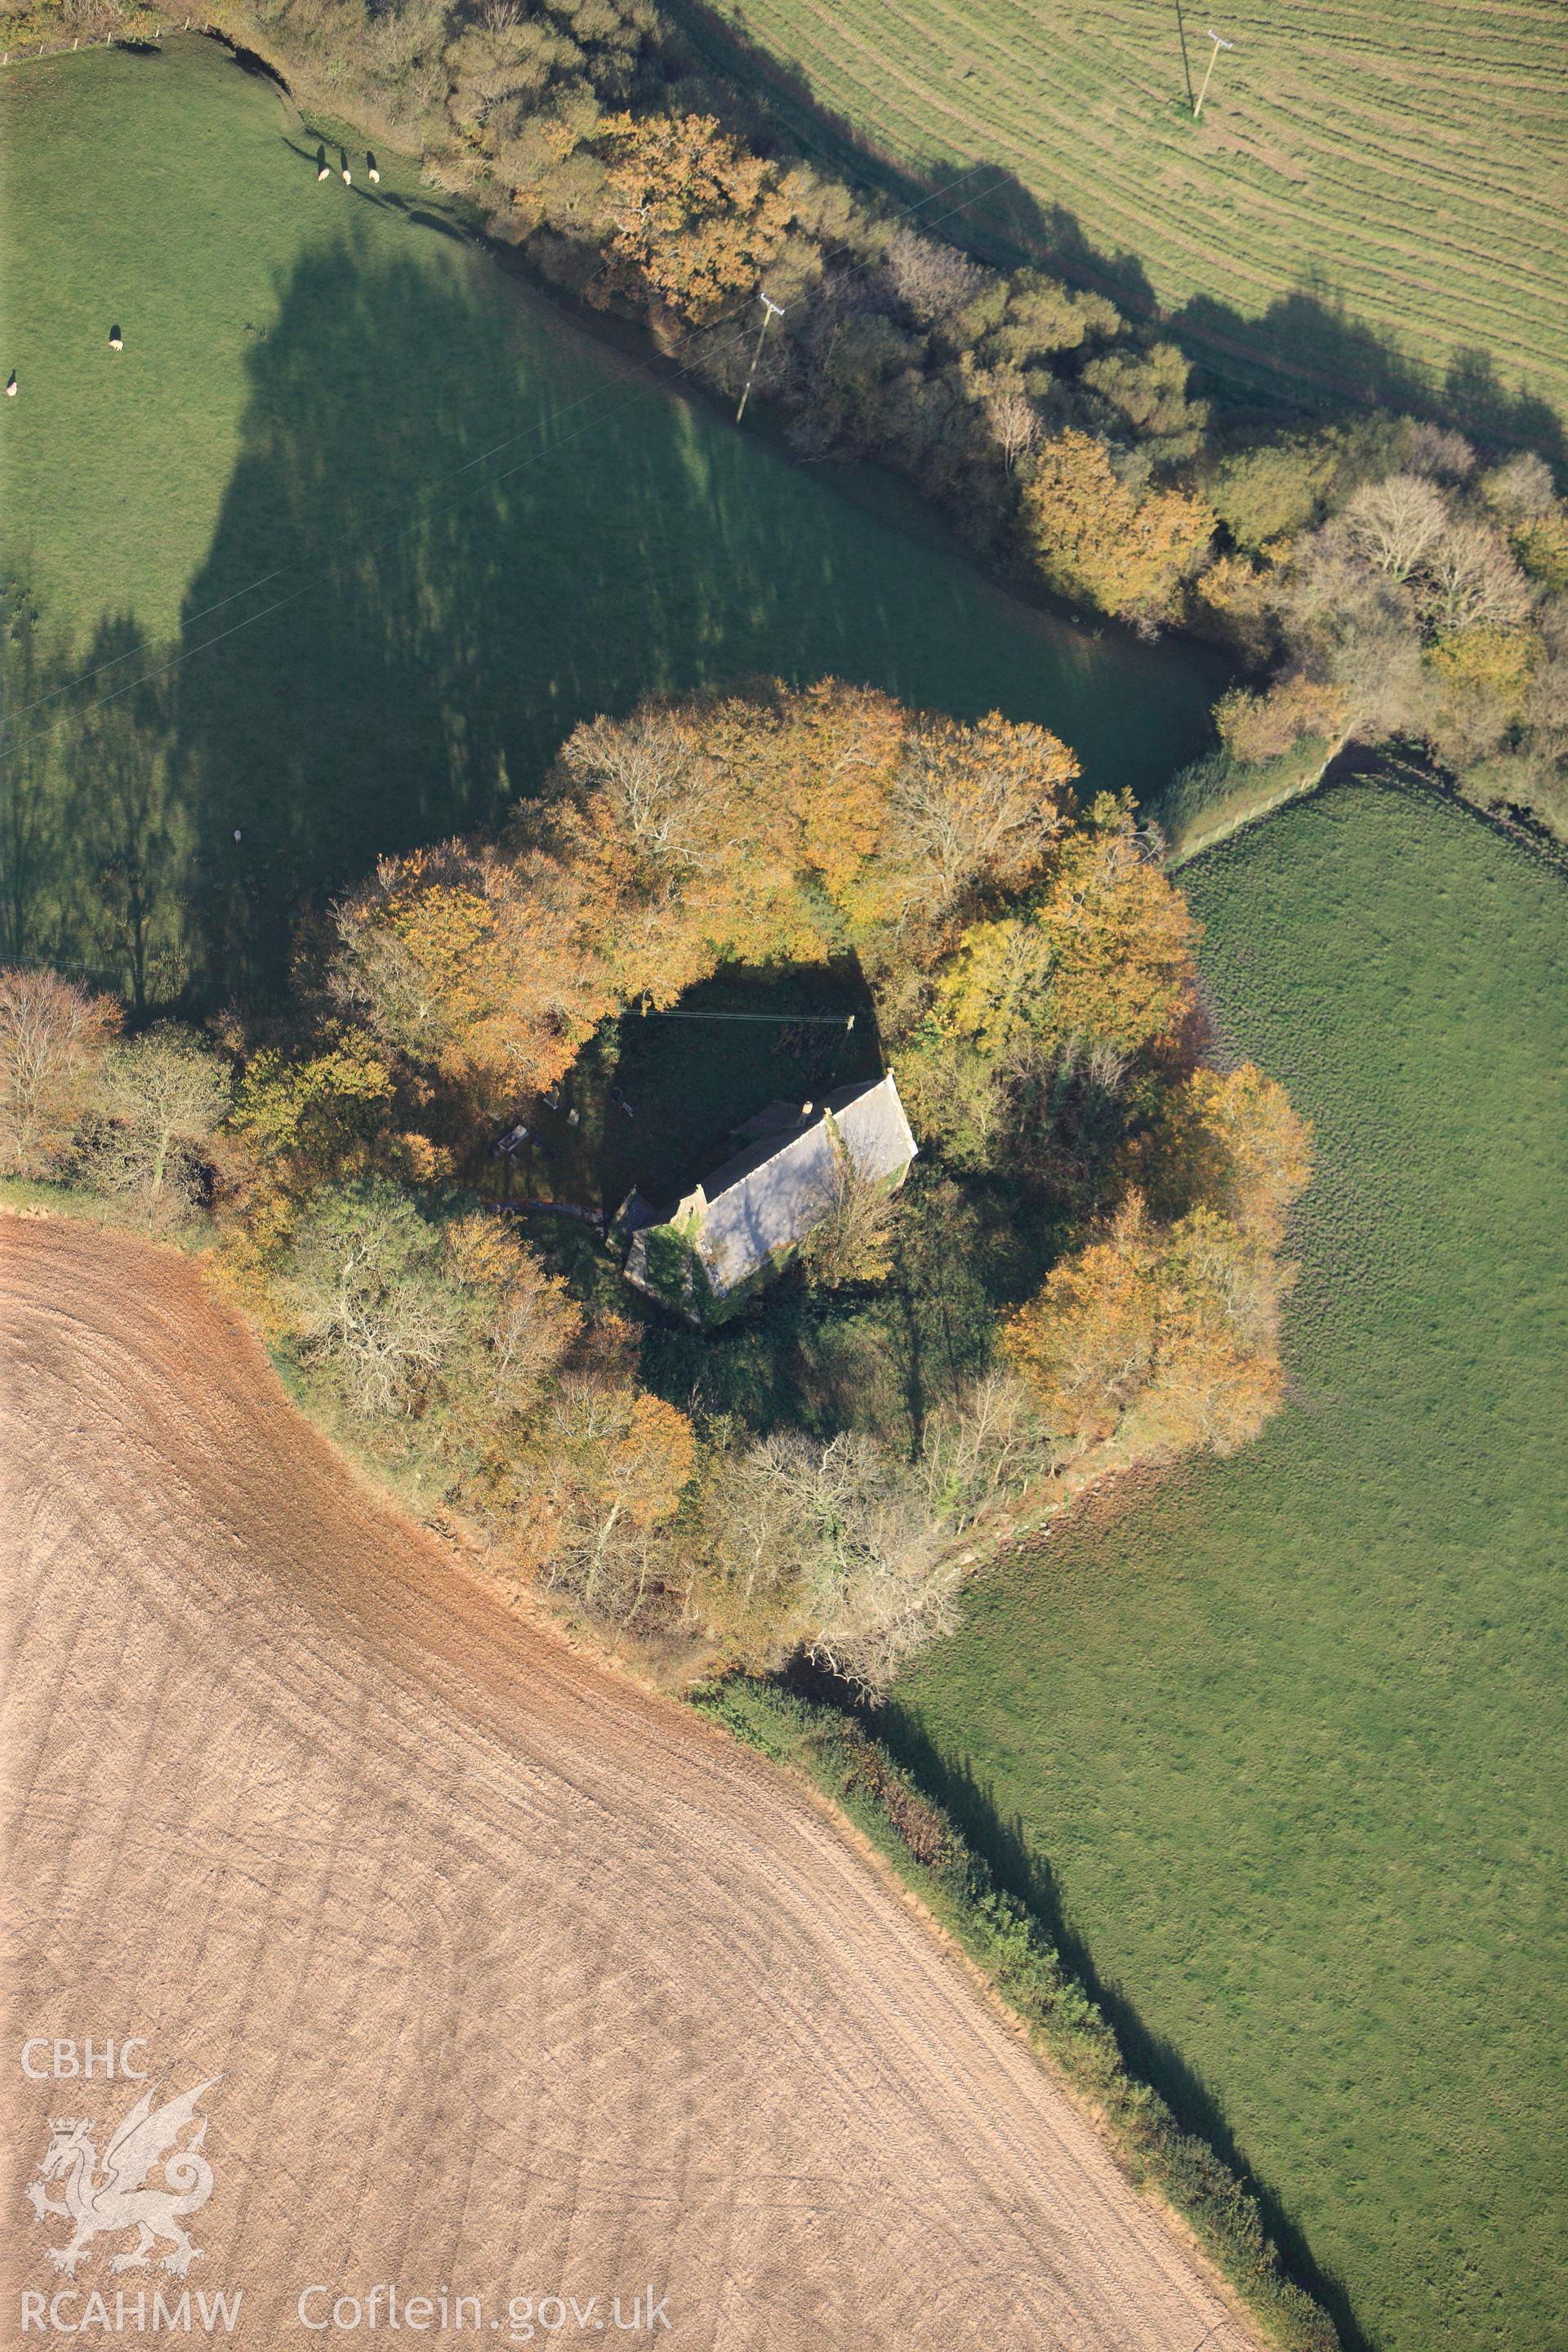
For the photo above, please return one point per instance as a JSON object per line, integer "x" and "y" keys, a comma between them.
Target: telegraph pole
{"x": 1213, "y": 58}
{"x": 771, "y": 310}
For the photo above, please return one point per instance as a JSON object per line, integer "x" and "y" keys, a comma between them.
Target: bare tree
{"x": 1395, "y": 524}
{"x": 1469, "y": 577}
{"x": 878, "y": 1582}
{"x": 368, "y": 1303}
{"x": 854, "y": 1241}
{"x": 165, "y": 1096}
{"x": 1015, "y": 423}
{"x": 932, "y": 280}
{"x": 52, "y": 1039}
{"x": 1438, "y": 451}
{"x": 981, "y": 1445}
{"x": 872, "y": 1580}
{"x": 827, "y": 1549}
{"x": 1333, "y": 593}
{"x": 532, "y": 1326}
{"x": 1546, "y": 706}
{"x": 1522, "y": 489}
{"x": 663, "y": 792}
{"x": 1379, "y": 672}
{"x": 972, "y": 803}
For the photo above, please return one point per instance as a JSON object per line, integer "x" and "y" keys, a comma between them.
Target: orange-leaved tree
{"x": 698, "y": 217}
{"x": 1228, "y": 1140}
{"x": 483, "y": 968}
{"x": 1162, "y": 1338}
{"x": 745, "y": 828}
{"x": 1094, "y": 536}
{"x": 1102, "y": 958}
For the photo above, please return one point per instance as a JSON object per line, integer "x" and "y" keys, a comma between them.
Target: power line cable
{"x": 646, "y": 385}
{"x": 649, "y": 385}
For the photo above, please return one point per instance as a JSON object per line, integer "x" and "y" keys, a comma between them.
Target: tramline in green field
{"x": 1358, "y": 208}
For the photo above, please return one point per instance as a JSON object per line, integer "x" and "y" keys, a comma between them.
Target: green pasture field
{"x": 1280, "y": 1744}
{"x": 1370, "y": 202}
{"x": 377, "y": 525}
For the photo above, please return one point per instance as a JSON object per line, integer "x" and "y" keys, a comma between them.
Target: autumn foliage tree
{"x": 609, "y": 1474}
{"x": 320, "y": 1118}
{"x": 697, "y": 215}
{"x": 1160, "y": 1334}
{"x": 1258, "y": 727}
{"x": 1163, "y": 1338}
{"x": 1100, "y": 957}
{"x": 53, "y": 1038}
{"x": 1228, "y": 1140}
{"x": 734, "y": 829}
{"x": 1098, "y": 540}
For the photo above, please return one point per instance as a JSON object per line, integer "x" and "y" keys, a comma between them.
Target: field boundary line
{"x": 955, "y": 1889}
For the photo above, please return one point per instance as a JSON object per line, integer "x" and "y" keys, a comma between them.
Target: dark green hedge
{"x": 921, "y": 1844}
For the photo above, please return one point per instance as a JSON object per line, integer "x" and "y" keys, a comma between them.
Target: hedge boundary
{"x": 924, "y": 1849}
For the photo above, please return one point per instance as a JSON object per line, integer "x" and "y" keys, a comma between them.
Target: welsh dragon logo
{"x": 119, "y": 2197}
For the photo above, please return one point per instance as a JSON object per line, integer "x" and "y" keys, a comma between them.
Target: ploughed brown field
{"x": 519, "y": 1982}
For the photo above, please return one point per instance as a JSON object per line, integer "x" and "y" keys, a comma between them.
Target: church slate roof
{"x": 768, "y": 1197}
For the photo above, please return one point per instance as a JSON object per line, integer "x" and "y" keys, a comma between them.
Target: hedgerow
{"x": 1065, "y": 2027}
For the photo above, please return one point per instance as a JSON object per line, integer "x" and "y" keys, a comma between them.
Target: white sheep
{"x": 116, "y": 339}
{"x": 323, "y": 173}
{"x": 348, "y": 177}
{"x": 374, "y": 174}
{"x": 11, "y": 386}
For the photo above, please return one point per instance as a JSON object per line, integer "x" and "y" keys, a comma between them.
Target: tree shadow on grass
{"x": 482, "y": 528}
{"x": 96, "y": 845}
{"x": 1019, "y": 1866}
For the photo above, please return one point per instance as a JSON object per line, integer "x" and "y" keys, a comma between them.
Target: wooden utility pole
{"x": 771, "y": 310}
{"x": 1214, "y": 55}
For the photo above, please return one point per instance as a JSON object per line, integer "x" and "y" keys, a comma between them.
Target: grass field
{"x": 468, "y": 524}
{"x": 1368, "y": 198}
{"x": 375, "y": 526}
{"x": 1281, "y": 1740}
